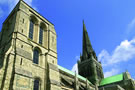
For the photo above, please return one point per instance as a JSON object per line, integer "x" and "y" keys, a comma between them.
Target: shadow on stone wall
{"x": 6, "y": 75}
{"x": 5, "y": 71}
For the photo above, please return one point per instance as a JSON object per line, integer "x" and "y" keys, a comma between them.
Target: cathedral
{"x": 28, "y": 58}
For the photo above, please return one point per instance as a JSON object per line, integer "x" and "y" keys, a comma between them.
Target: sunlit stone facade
{"x": 28, "y": 57}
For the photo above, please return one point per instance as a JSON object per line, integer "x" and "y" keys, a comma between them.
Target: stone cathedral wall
{"x": 18, "y": 70}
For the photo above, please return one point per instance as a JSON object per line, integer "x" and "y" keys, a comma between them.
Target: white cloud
{"x": 11, "y": 3}
{"x": 133, "y": 77}
{"x": 130, "y": 27}
{"x": 28, "y": 1}
{"x": 111, "y": 73}
{"x": 77, "y": 57}
{"x": 75, "y": 68}
{"x": 123, "y": 52}
{"x": 1, "y": 12}
{"x": 35, "y": 8}
{"x": 3, "y": 1}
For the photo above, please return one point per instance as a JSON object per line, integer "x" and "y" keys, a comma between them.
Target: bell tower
{"x": 88, "y": 65}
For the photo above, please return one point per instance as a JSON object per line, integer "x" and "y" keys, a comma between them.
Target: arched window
{"x": 31, "y": 27}
{"x": 36, "y": 84}
{"x": 41, "y": 35}
{"x": 36, "y": 56}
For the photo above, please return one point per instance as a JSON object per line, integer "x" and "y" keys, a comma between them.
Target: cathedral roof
{"x": 111, "y": 79}
{"x": 73, "y": 74}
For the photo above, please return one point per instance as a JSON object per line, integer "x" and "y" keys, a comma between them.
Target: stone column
{"x": 76, "y": 82}
{"x": 45, "y": 38}
{"x": 87, "y": 85}
{"x": 54, "y": 77}
{"x": 36, "y": 33}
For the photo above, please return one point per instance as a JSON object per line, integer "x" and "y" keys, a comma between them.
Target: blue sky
{"x": 110, "y": 25}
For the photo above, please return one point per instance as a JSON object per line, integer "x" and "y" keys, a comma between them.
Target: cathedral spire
{"x": 86, "y": 65}
{"x": 87, "y": 47}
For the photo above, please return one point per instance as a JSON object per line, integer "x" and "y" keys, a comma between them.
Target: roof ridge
{"x": 73, "y": 73}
